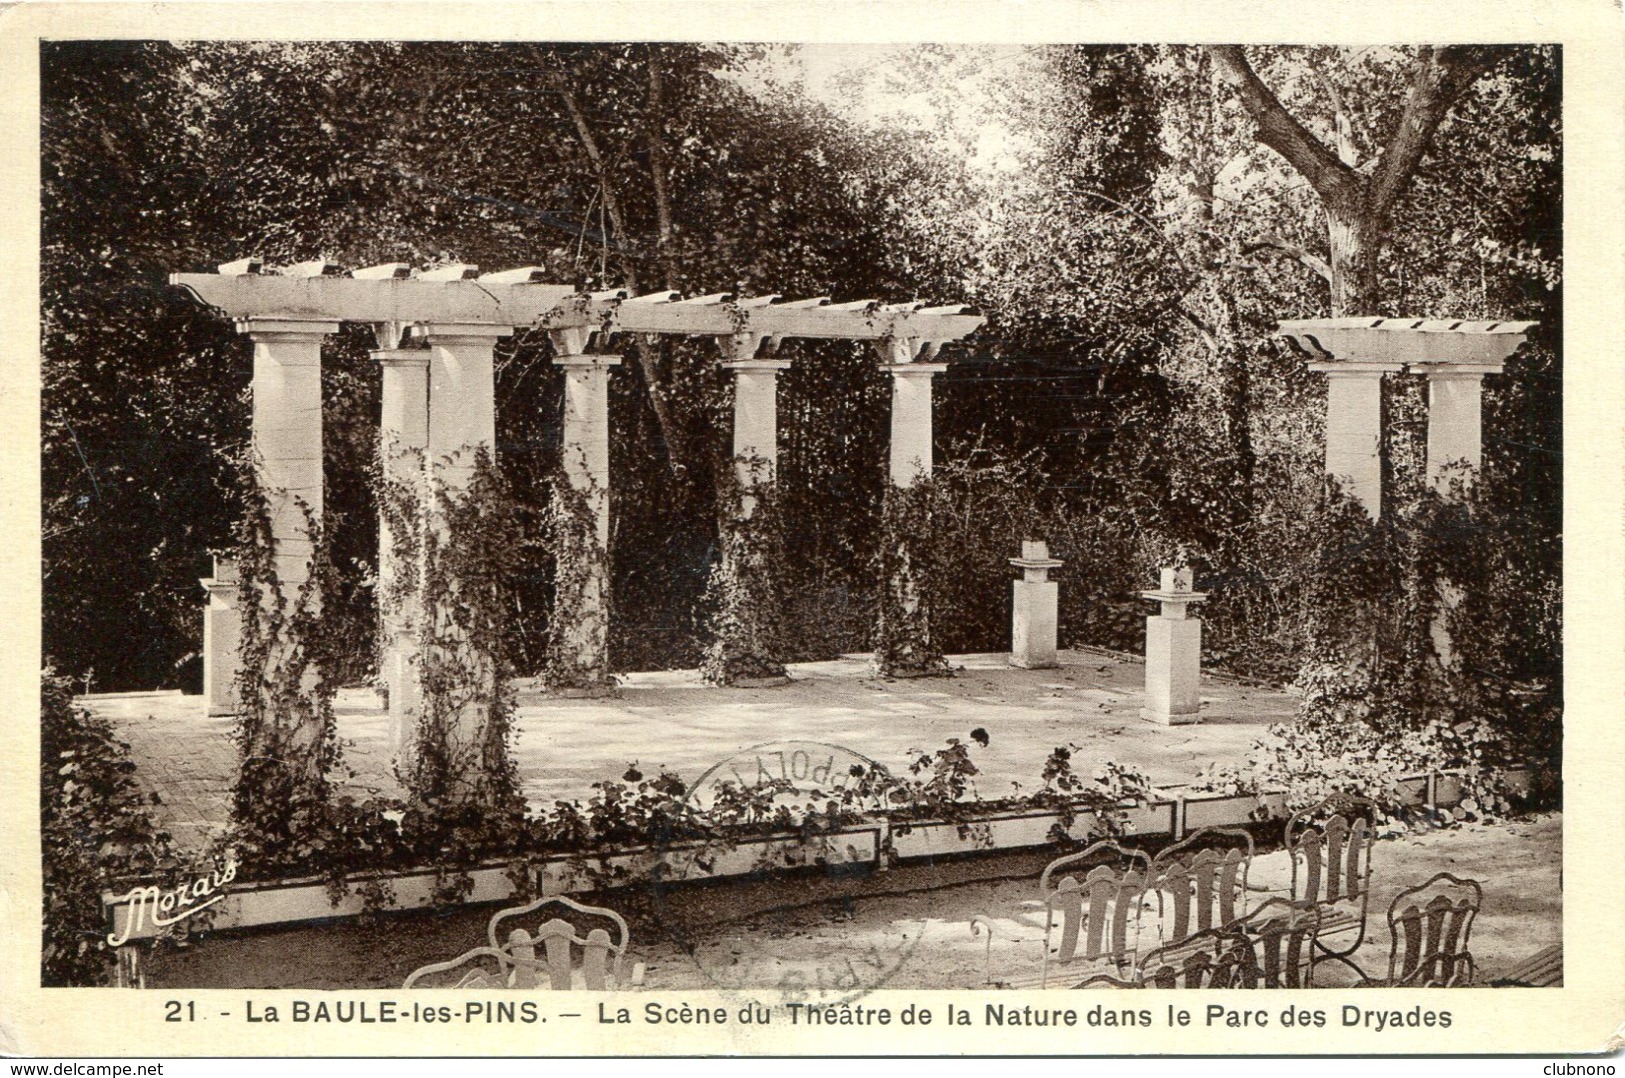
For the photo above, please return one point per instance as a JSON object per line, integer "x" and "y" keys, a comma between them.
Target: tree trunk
{"x": 1355, "y": 238}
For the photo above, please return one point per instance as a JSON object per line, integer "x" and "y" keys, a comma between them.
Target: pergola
{"x": 1355, "y": 353}
{"x": 438, "y": 401}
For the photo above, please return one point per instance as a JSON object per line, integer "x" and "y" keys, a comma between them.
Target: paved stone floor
{"x": 672, "y": 720}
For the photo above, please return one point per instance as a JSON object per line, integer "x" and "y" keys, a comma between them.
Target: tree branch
{"x": 1439, "y": 78}
{"x": 1293, "y": 250}
{"x": 612, "y": 204}
{"x": 653, "y": 133}
{"x": 1278, "y": 129}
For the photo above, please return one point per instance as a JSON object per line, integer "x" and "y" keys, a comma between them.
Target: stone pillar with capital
{"x": 1173, "y": 652}
{"x": 287, "y": 431}
{"x": 903, "y": 644}
{"x": 745, "y": 643}
{"x": 579, "y": 660}
{"x": 1354, "y": 427}
{"x": 286, "y": 742}
{"x": 403, "y": 445}
{"x": 756, "y": 419}
{"x": 461, "y": 425}
{"x": 911, "y": 426}
{"x": 1455, "y": 418}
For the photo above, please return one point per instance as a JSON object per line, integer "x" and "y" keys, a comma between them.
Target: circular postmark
{"x": 805, "y": 845}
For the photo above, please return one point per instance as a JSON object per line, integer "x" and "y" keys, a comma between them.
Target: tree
{"x": 1359, "y": 200}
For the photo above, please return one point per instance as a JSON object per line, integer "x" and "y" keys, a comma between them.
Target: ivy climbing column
{"x": 454, "y": 756}
{"x": 403, "y": 443}
{"x": 903, "y": 638}
{"x": 579, "y": 635}
{"x": 745, "y": 642}
{"x": 285, "y": 723}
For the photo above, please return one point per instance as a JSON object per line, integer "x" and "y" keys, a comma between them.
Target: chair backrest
{"x": 1214, "y": 958}
{"x": 482, "y": 967}
{"x": 1430, "y": 926}
{"x": 1330, "y": 847}
{"x": 1283, "y": 936}
{"x": 601, "y": 953}
{"x": 1203, "y": 880}
{"x": 1102, "y": 910}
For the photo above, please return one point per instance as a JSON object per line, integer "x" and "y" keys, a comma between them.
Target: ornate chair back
{"x": 1212, "y": 958}
{"x": 1430, "y": 926}
{"x": 1330, "y": 846}
{"x": 1203, "y": 881}
{"x": 514, "y": 963}
{"x": 1283, "y": 935}
{"x": 1100, "y": 915}
{"x": 601, "y": 954}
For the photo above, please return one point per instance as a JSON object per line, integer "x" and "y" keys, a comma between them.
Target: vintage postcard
{"x": 984, "y": 528}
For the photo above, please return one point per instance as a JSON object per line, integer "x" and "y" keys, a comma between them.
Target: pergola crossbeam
{"x": 378, "y": 295}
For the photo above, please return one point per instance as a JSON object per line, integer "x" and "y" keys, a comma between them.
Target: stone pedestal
{"x": 1173, "y": 653}
{"x": 222, "y": 635}
{"x": 911, "y": 452}
{"x": 1354, "y": 428}
{"x": 1033, "y": 616}
{"x": 287, "y": 392}
{"x": 584, "y": 608}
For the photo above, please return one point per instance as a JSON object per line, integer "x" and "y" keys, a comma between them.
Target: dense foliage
{"x": 1132, "y": 251}
{"x": 96, "y": 835}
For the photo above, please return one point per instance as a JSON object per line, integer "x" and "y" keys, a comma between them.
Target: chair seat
{"x": 1064, "y": 976}
{"x": 1543, "y": 969}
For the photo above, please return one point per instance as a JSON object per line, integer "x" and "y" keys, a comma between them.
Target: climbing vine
{"x": 458, "y": 545}
{"x": 286, "y": 734}
{"x": 903, "y": 641}
{"x": 743, "y": 593}
{"x": 578, "y": 632}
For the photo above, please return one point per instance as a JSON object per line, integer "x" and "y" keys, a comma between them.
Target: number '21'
{"x": 172, "y": 1011}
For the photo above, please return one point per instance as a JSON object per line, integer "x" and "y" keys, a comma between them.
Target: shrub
{"x": 95, "y": 833}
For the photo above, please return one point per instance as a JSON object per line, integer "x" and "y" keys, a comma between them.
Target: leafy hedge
{"x": 95, "y": 832}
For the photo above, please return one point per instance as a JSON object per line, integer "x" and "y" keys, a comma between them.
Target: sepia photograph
{"x": 747, "y": 528}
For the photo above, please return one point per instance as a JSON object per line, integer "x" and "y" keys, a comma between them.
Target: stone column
{"x": 1354, "y": 428}
{"x": 1455, "y": 417}
{"x": 756, "y": 416}
{"x": 403, "y": 444}
{"x": 1455, "y": 436}
{"x": 1173, "y": 653}
{"x": 911, "y": 454}
{"x": 462, "y": 397}
{"x": 287, "y": 394}
{"x": 1033, "y": 609}
{"x": 581, "y": 601}
{"x": 222, "y": 634}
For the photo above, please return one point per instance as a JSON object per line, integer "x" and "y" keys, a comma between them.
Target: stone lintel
{"x": 402, "y": 357}
{"x": 1036, "y": 563}
{"x": 454, "y": 332}
{"x": 1368, "y": 368}
{"x": 913, "y": 370}
{"x": 285, "y": 329}
{"x": 756, "y": 366}
{"x": 1457, "y": 370}
{"x": 587, "y": 360}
